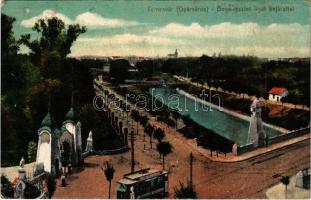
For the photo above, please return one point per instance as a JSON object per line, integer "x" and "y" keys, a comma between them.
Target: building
{"x": 277, "y": 93}
{"x": 58, "y": 148}
{"x": 173, "y": 55}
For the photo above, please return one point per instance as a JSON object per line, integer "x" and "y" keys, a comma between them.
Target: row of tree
{"x": 246, "y": 74}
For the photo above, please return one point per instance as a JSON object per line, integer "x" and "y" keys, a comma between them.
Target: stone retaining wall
{"x": 288, "y": 136}
{"x": 238, "y": 150}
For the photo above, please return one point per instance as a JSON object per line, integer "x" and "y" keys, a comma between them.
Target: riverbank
{"x": 228, "y": 111}
{"x": 277, "y": 115}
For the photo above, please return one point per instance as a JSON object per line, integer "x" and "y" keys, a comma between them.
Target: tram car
{"x": 144, "y": 183}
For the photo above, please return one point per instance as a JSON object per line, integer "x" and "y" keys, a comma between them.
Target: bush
{"x": 183, "y": 192}
{"x": 51, "y": 185}
{"x": 6, "y": 187}
{"x": 31, "y": 192}
{"x": 32, "y": 151}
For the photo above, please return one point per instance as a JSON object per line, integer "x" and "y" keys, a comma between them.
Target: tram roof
{"x": 141, "y": 175}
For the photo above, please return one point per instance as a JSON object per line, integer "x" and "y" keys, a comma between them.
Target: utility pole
{"x": 191, "y": 163}
{"x": 132, "y": 151}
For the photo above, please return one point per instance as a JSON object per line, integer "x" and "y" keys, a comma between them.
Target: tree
{"x": 6, "y": 187}
{"x": 285, "y": 180}
{"x": 159, "y": 134}
{"x": 53, "y": 45}
{"x": 31, "y": 191}
{"x": 136, "y": 116}
{"x": 108, "y": 171}
{"x": 149, "y": 130}
{"x": 31, "y": 151}
{"x": 164, "y": 148}
{"x": 119, "y": 69}
{"x": 185, "y": 192}
{"x": 144, "y": 121}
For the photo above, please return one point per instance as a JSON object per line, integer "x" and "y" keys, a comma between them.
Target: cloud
{"x": 130, "y": 39}
{"x": 47, "y": 14}
{"x": 274, "y": 44}
{"x": 93, "y": 19}
{"x": 87, "y": 19}
{"x": 229, "y": 30}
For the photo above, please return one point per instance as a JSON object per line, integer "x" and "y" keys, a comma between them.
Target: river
{"x": 224, "y": 124}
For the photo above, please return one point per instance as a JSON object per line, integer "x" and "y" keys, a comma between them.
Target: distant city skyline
{"x": 152, "y": 29}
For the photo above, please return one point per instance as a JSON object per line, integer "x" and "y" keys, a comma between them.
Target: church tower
{"x": 176, "y": 53}
{"x": 48, "y": 154}
{"x": 256, "y": 133}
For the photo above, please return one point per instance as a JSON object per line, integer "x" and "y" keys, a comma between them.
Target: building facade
{"x": 277, "y": 93}
{"x": 59, "y": 148}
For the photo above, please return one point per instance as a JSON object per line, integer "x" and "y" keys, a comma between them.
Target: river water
{"x": 224, "y": 124}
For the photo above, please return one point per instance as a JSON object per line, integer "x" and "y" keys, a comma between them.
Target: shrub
{"x": 32, "y": 151}
{"x": 185, "y": 192}
{"x": 6, "y": 187}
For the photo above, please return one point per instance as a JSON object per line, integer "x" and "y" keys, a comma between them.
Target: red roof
{"x": 277, "y": 90}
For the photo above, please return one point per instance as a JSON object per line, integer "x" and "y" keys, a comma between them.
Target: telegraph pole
{"x": 132, "y": 151}
{"x": 191, "y": 163}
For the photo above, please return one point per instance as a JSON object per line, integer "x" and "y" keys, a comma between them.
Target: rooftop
{"x": 141, "y": 175}
{"x": 277, "y": 90}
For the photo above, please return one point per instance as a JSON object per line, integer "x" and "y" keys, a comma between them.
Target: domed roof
{"x": 47, "y": 120}
{"x": 71, "y": 115}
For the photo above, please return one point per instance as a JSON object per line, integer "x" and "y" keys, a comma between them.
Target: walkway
{"x": 278, "y": 191}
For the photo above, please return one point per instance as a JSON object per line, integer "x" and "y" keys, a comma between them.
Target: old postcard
{"x": 155, "y": 99}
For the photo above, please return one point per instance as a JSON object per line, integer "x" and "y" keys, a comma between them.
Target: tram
{"x": 144, "y": 183}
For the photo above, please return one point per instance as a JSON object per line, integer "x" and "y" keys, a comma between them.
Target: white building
{"x": 59, "y": 148}
{"x": 277, "y": 93}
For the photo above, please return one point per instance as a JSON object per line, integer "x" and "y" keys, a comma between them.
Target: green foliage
{"x": 9, "y": 45}
{"x": 164, "y": 148}
{"x": 24, "y": 92}
{"x": 54, "y": 43}
{"x": 31, "y": 192}
{"x": 32, "y": 151}
{"x": 6, "y": 187}
{"x": 245, "y": 74}
{"x": 119, "y": 69}
{"x": 108, "y": 171}
{"x": 51, "y": 185}
{"x": 159, "y": 134}
{"x": 185, "y": 192}
{"x": 148, "y": 68}
{"x": 106, "y": 137}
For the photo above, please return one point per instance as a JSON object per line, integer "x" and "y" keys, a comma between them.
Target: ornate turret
{"x": 48, "y": 121}
{"x": 256, "y": 133}
{"x": 47, "y": 151}
{"x": 71, "y": 114}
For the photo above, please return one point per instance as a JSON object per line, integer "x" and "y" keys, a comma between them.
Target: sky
{"x": 274, "y": 28}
